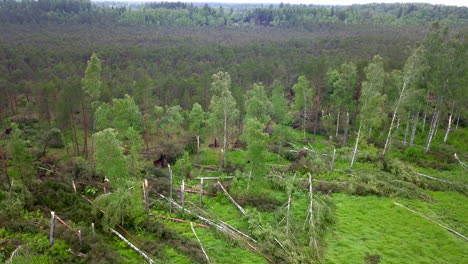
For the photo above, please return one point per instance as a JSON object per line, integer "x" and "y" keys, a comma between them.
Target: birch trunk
{"x": 52, "y": 229}
{"x": 458, "y": 121}
{"x": 224, "y": 140}
{"x": 345, "y": 140}
{"x": 448, "y": 128}
{"x": 304, "y": 117}
{"x": 424, "y": 121}
{"x": 387, "y": 141}
{"x": 170, "y": 188}
{"x": 143, "y": 254}
{"x": 436, "y": 125}
{"x": 332, "y": 166}
{"x": 413, "y": 131}
{"x": 85, "y": 127}
{"x": 432, "y": 130}
{"x": 75, "y": 137}
{"x": 407, "y": 128}
{"x": 201, "y": 192}
{"x": 337, "y": 124}
{"x": 199, "y": 242}
{"x": 288, "y": 208}
{"x": 356, "y": 145}
{"x": 198, "y": 149}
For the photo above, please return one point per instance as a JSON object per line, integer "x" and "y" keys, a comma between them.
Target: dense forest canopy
{"x": 182, "y": 14}
{"x": 222, "y": 133}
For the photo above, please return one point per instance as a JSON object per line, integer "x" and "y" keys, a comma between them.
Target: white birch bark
{"x": 356, "y": 145}
{"x": 332, "y": 165}
{"x": 52, "y": 229}
{"x": 199, "y": 242}
{"x": 304, "y": 116}
{"x": 346, "y": 129}
{"x": 337, "y": 124}
{"x": 170, "y": 188}
{"x": 424, "y": 121}
{"x": 407, "y": 128}
{"x": 413, "y": 131}
{"x": 432, "y": 130}
{"x": 387, "y": 141}
{"x": 143, "y": 254}
{"x": 449, "y": 125}
{"x": 288, "y": 208}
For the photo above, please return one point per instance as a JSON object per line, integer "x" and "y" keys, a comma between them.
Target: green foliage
{"x": 21, "y": 165}
{"x": 279, "y": 104}
{"x": 122, "y": 114}
{"x": 303, "y": 93}
{"x": 398, "y": 182}
{"x": 120, "y": 206}
{"x": 196, "y": 119}
{"x": 109, "y": 157}
{"x": 135, "y": 143}
{"x": 91, "y": 82}
{"x": 373, "y": 99}
{"x": 257, "y": 104}
{"x": 223, "y": 109}
{"x": 343, "y": 81}
{"x": 257, "y": 142}
{"x": 172, "y": 119}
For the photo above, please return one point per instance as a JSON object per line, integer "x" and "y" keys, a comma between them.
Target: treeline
{"x": 181, "y": 14}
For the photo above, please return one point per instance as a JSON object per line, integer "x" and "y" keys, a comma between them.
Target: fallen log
{"x": 177, "y": 220}
{"x": 143, "y": 254}
{"x": 199, "y": 242}
{"x": 194, "y": 191}
{"x": 430, "y": 220}
{"x": 209, "y": 167}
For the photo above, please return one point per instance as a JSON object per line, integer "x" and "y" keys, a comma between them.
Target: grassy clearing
{"x": 374, "y": 226}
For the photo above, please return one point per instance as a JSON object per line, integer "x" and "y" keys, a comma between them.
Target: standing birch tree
{"x": 223, "y": 109}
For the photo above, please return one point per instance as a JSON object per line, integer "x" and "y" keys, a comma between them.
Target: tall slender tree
{"x": 223, "y": 109}
{"x": 303, "y": 99}
{"x": 91, "y": 90}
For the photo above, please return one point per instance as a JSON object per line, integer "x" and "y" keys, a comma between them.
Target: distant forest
{"x": 182, "y": 14}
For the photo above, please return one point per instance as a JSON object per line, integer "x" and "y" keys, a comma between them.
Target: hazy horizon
{"x": 316, "y": 2}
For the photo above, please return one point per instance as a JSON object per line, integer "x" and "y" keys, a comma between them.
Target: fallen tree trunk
{"x": 143, "y": 254}
{"x": 209, "y": 167}
{"x": 177, "y": 220}
{"x": 430, "y": 220}
{"x": 199, "y": 242}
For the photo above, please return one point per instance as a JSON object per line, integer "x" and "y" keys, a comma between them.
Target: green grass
{"x": 375, "y": 226}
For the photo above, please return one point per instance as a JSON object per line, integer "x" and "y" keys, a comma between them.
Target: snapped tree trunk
{"x": 85, "y": 127}
{"x": 337, "y": 124}
{"x": 304, "y": 116}
{"x": 52, "y": 229}
{"x": 170, "y": 188}
{"x": 75, "y": 137}
{"x": 5, "y": 167}
{"x": 432, "y": 130}
{"x": 198, "y": 150}
{"x": 449, "y": 125}
{"x": 345, "y": 140}
{"x": 424, "y": 121}
{"x": 413, "y": 131}
{"x": 332, "y": 165}
{"x": 223, "y": 154}
{"x": 146, "y": 133}
{"x": 407, "y": 128}
{"x": 387, "y": 141}
{"x": 356, "y": 144}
